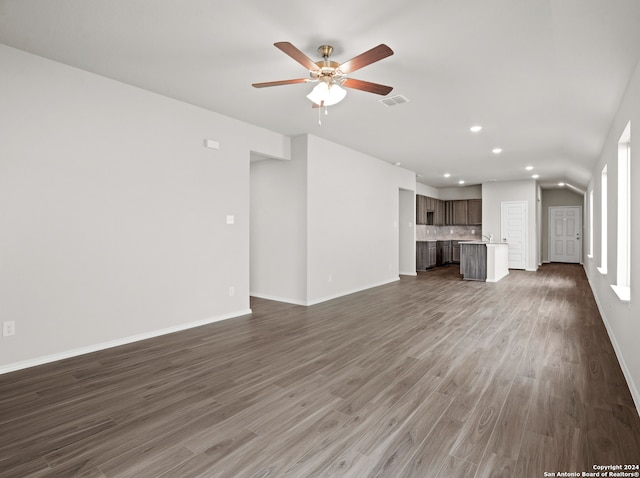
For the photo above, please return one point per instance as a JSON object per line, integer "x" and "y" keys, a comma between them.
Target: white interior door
{"x": 565, "y": 242}
{"x": 514, "y": 232}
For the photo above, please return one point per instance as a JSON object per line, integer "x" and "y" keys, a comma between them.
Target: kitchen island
{"x": 484, "y": 261}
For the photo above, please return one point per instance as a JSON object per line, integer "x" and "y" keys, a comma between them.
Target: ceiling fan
{"x": 331, "y": 75}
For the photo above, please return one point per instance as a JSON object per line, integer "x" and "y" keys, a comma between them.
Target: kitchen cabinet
{"x": 473, "y": 265}
{"x": 455, "y": 251}
{"x": 426, "y": 255}
{"x": 429, "y": 211}
{"x": 421, "y": 255}
{"x": 459, "y": 212}
{"x": 438, "y": 213}
{"x": 433, "y": 254}
{"x": 443, "y": 253}
{"x": 463, "y": 212}
{"x": 474, "y": 211}
{"x": 421, "y": 209}
{"x": 484, "y": 261}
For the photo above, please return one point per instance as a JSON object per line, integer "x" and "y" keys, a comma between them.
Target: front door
{"x": 565, "y": 244}
{"x": 514, "y": 232}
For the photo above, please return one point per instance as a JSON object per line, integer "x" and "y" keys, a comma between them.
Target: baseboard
{"x": 635, "y": 394}
{"x": 352, "y": 291}
{"x": 286, "y": 300}
{"x": 413, "y": 273}
{"x": 323, "y": 299}
{"x": 115, "y": 343}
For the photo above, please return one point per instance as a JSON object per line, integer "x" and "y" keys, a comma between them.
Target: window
{"x": 622, "y": 286}
{"x": 603, "y": 221}
{"x": 591, "y": 223}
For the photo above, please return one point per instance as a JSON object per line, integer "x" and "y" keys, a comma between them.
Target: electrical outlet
{"x": 232, "y": 291}
{"x": 8, "y": 328}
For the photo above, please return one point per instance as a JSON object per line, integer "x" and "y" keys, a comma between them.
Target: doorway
{"x": 565, "y": 240}
{"x": 514, "y": 232}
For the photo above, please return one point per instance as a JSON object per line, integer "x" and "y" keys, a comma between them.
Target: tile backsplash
{"x": 467, "y": 233}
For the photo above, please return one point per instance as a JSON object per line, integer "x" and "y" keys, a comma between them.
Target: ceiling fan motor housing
{"x": 328, "y": 69}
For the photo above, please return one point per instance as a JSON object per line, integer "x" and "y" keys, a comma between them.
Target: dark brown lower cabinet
{"x": 443, "y": 254}
{"x": 473, "y": 262}
{"x": 433, "y": 259}
{"x": 426, "y": 255}
{"x": 455, "y": 251}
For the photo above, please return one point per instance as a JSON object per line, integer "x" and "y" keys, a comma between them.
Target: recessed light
{"x": 461, "y": 181}
{"x": 535, "y": 176}
{"x": 496, "y": 150}
{"x": 560, "y": 184}
{"x": 529, "y": 168}
{"x": 398, "y": 163}
{"x": 476, "y": 128}
{"x": 447, "y": 175}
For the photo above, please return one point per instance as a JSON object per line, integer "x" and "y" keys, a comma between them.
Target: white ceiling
{"x": 543, "y": 77}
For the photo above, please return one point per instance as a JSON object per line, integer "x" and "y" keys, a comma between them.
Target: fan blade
{"x": 297, "y": 55}
{"x": 371, "y": 56}
{"x": 281, "y": 82}
{"x": 367, "y": 86}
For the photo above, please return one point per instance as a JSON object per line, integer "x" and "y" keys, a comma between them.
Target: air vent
{"x": 394, "y": 100}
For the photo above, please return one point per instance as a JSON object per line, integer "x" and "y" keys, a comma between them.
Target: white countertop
{"x": 484, "y": 243}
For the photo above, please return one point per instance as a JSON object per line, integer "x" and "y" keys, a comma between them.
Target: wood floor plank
{"x": 427, "y": 376}
{"x": 207, "y": 460}
{"x": 496, "y": 466}
{"x": 474, "y": 437}
{"x": 456, "y": 468}
{"x": 538, "y": 455}
{"x": 394, "y": 454}
{"x": 506, "y": 438}
{"x": 432, "y": 454}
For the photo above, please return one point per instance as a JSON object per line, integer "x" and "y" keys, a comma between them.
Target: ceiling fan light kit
{"x": 327, "y": 94}
{"x": 331, "y": 75}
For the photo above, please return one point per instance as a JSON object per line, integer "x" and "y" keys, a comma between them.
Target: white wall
{"x": 460, "y": 192}
{"x": 353, "y": 204}
{"x": 328, "y": 223}
{"x": 113, "y": 213}
{"x": 279, "y": 227}
{"x": 447, "y": 194}
{"x": 425, "y": 190}
{"x": 494, "y": 194}
{"x": 621, "y": 318}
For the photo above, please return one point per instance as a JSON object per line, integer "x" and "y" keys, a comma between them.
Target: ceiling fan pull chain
{"x": 319, "y": 116}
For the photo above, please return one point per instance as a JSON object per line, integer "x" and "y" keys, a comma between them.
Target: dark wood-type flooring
{"x": 430, "y": 376}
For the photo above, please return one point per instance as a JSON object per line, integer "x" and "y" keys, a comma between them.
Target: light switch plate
{"x": 231, "y": 219}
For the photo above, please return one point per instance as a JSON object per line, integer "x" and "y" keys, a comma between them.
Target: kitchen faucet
{"x": 489, "y": 237}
